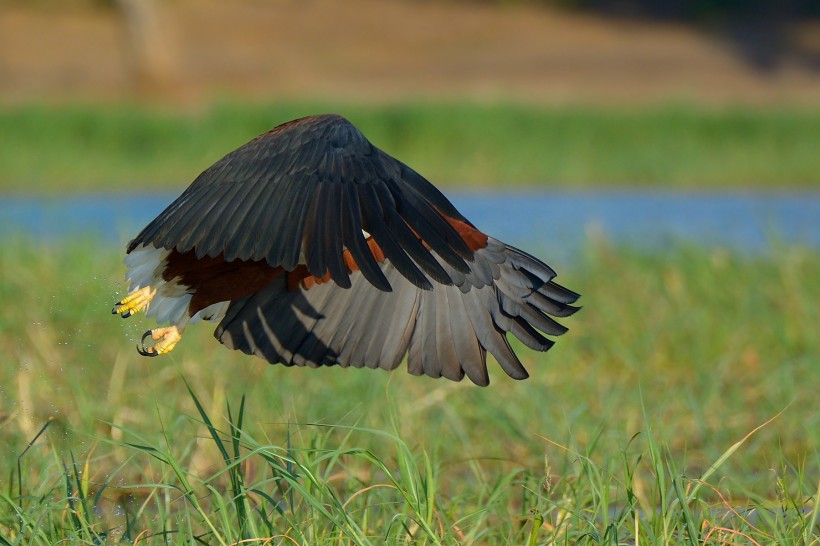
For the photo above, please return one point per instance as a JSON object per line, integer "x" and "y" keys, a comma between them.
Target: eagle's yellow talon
{"x": 134, "y": 302}
{"x": 165, "y": 340}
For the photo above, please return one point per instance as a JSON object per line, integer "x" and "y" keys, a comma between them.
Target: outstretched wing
{"x": 267, "y": 226}
{"x": 306, "y": 191}
{"x": 445, "y": 332}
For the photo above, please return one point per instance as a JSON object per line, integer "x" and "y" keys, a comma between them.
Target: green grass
{"x": 127, "y": 148}
{"x": 681, "y": 408}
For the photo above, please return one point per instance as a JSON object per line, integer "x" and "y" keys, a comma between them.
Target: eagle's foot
{"x": 165, "y": 339}
{"x": 134, "y": 302}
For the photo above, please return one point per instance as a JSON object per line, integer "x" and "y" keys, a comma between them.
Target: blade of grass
{"x": 20, "y": 459}
{"x": 808, "y": 530}
{"x": 692, "y": 534}
{"x": 725, "y": 456}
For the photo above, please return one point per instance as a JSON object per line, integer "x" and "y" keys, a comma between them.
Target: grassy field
{"x": 122, "y": 148}
{"x": 681, "y": 408}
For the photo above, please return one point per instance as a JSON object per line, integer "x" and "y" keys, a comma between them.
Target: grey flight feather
{"x": 445, "y": 332}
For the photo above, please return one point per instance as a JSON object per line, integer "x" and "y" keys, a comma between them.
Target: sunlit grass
{"x": 680, "y": 408}
{"x": 121, "y": 148}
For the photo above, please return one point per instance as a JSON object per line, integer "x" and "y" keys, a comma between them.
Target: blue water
{"x": 556, "y": 222}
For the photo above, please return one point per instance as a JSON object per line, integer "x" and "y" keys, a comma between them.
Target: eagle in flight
{"x": 312, "y": 247}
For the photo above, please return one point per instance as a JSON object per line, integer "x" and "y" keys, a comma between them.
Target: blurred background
{"x": 546, "y": 51}
{"x": 662, "y": 156}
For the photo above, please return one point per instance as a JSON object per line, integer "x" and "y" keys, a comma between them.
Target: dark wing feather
{"x": 351, "y": 235}
{"x": 428, "y": 223}
{"x": 445, "y": 332}
{"x": 302, "y": 191}
{"x": 375, "y": 223}
{"x": 329, "y": 236}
